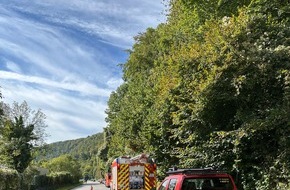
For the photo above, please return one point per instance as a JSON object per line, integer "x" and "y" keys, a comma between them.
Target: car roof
{"x": 197, "y": 172}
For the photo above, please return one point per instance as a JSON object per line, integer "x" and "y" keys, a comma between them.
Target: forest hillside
{"x": 83, "y": 150}
{"x": 210, "y": 87}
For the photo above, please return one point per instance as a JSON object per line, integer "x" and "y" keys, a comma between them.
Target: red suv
{"x": 197, "y": 179}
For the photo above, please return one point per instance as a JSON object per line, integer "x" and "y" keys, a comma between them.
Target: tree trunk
{"x": 21, "y": 184}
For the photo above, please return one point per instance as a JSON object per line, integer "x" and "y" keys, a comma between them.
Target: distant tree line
{"x": 210, "y": 87}
{"x": 84, "y": 151}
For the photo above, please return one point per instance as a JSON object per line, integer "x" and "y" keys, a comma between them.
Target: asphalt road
{"x": 90, "y": 185}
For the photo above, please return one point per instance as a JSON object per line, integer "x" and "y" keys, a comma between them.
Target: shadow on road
{"x": 91, "y": 185}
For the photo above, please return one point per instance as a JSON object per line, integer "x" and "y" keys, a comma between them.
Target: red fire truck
{"x": 129, "y": 173}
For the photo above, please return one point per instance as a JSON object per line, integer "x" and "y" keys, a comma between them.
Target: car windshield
{"x": 209, "y": 183}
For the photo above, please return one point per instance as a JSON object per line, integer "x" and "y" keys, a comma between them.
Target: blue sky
{"x": 62, "y": 56}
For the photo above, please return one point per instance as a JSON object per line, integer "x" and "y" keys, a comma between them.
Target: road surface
{"x": 90, "y": 185}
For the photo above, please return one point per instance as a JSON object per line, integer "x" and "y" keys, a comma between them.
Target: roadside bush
{"x": 54, "y": 180}
{"x": 9, "y": 179}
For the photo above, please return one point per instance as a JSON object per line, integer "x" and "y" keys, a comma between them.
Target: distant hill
{"x": 85, "y": 150}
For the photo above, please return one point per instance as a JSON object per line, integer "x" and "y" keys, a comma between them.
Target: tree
{"x": 16, "y": 147}
{"x": 2, "y": 157}
{"x": 64, "y": 163}
{"x": 29, "y": 117}
{"x": 1, "y": 110}
{"x": 18, "y": 143}
{"x": 207, "y": 88}
{"x": 21, "y": 130}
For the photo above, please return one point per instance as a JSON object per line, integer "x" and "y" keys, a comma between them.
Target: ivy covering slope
{"x": 210, "y": 87}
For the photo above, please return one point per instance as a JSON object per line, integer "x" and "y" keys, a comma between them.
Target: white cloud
{"x": 114, "y": 83}
{"x": 47, "y": 50}
{"x": 81, "y": 87}
{"x": 67, "y": 117}
{"x": 13, "y": 67}
{"x": 86, "y": 120}
{"x": 114, "y": 21}
{"x": 61, "y": 56}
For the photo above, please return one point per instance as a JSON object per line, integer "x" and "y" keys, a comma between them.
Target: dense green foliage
{"x": 17, "y": 146}
{"x": 10, "y": 179}
{"x": 210, "y": 88}
{"x": 51, "y": 182}
{"x": 64, "y": 163}
{"x": 20, "y": 130}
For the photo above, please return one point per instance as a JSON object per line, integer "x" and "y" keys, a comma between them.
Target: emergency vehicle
{"x": 138, "y": 172}
{"x": 197, "y": 179}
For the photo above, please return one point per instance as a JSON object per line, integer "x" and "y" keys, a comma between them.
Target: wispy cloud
{"x": 68, "y": 116}
{"x": 112, "y": 20}
{"x": 62, "y": 56}
{"x": 80, "y": 87}
{"x": 13, "y": 67}
{"x": 51, "y": 51}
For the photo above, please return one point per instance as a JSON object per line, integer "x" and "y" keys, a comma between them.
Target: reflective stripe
{"x": 123, "y": 177}
{"x": 149, "y": 177}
